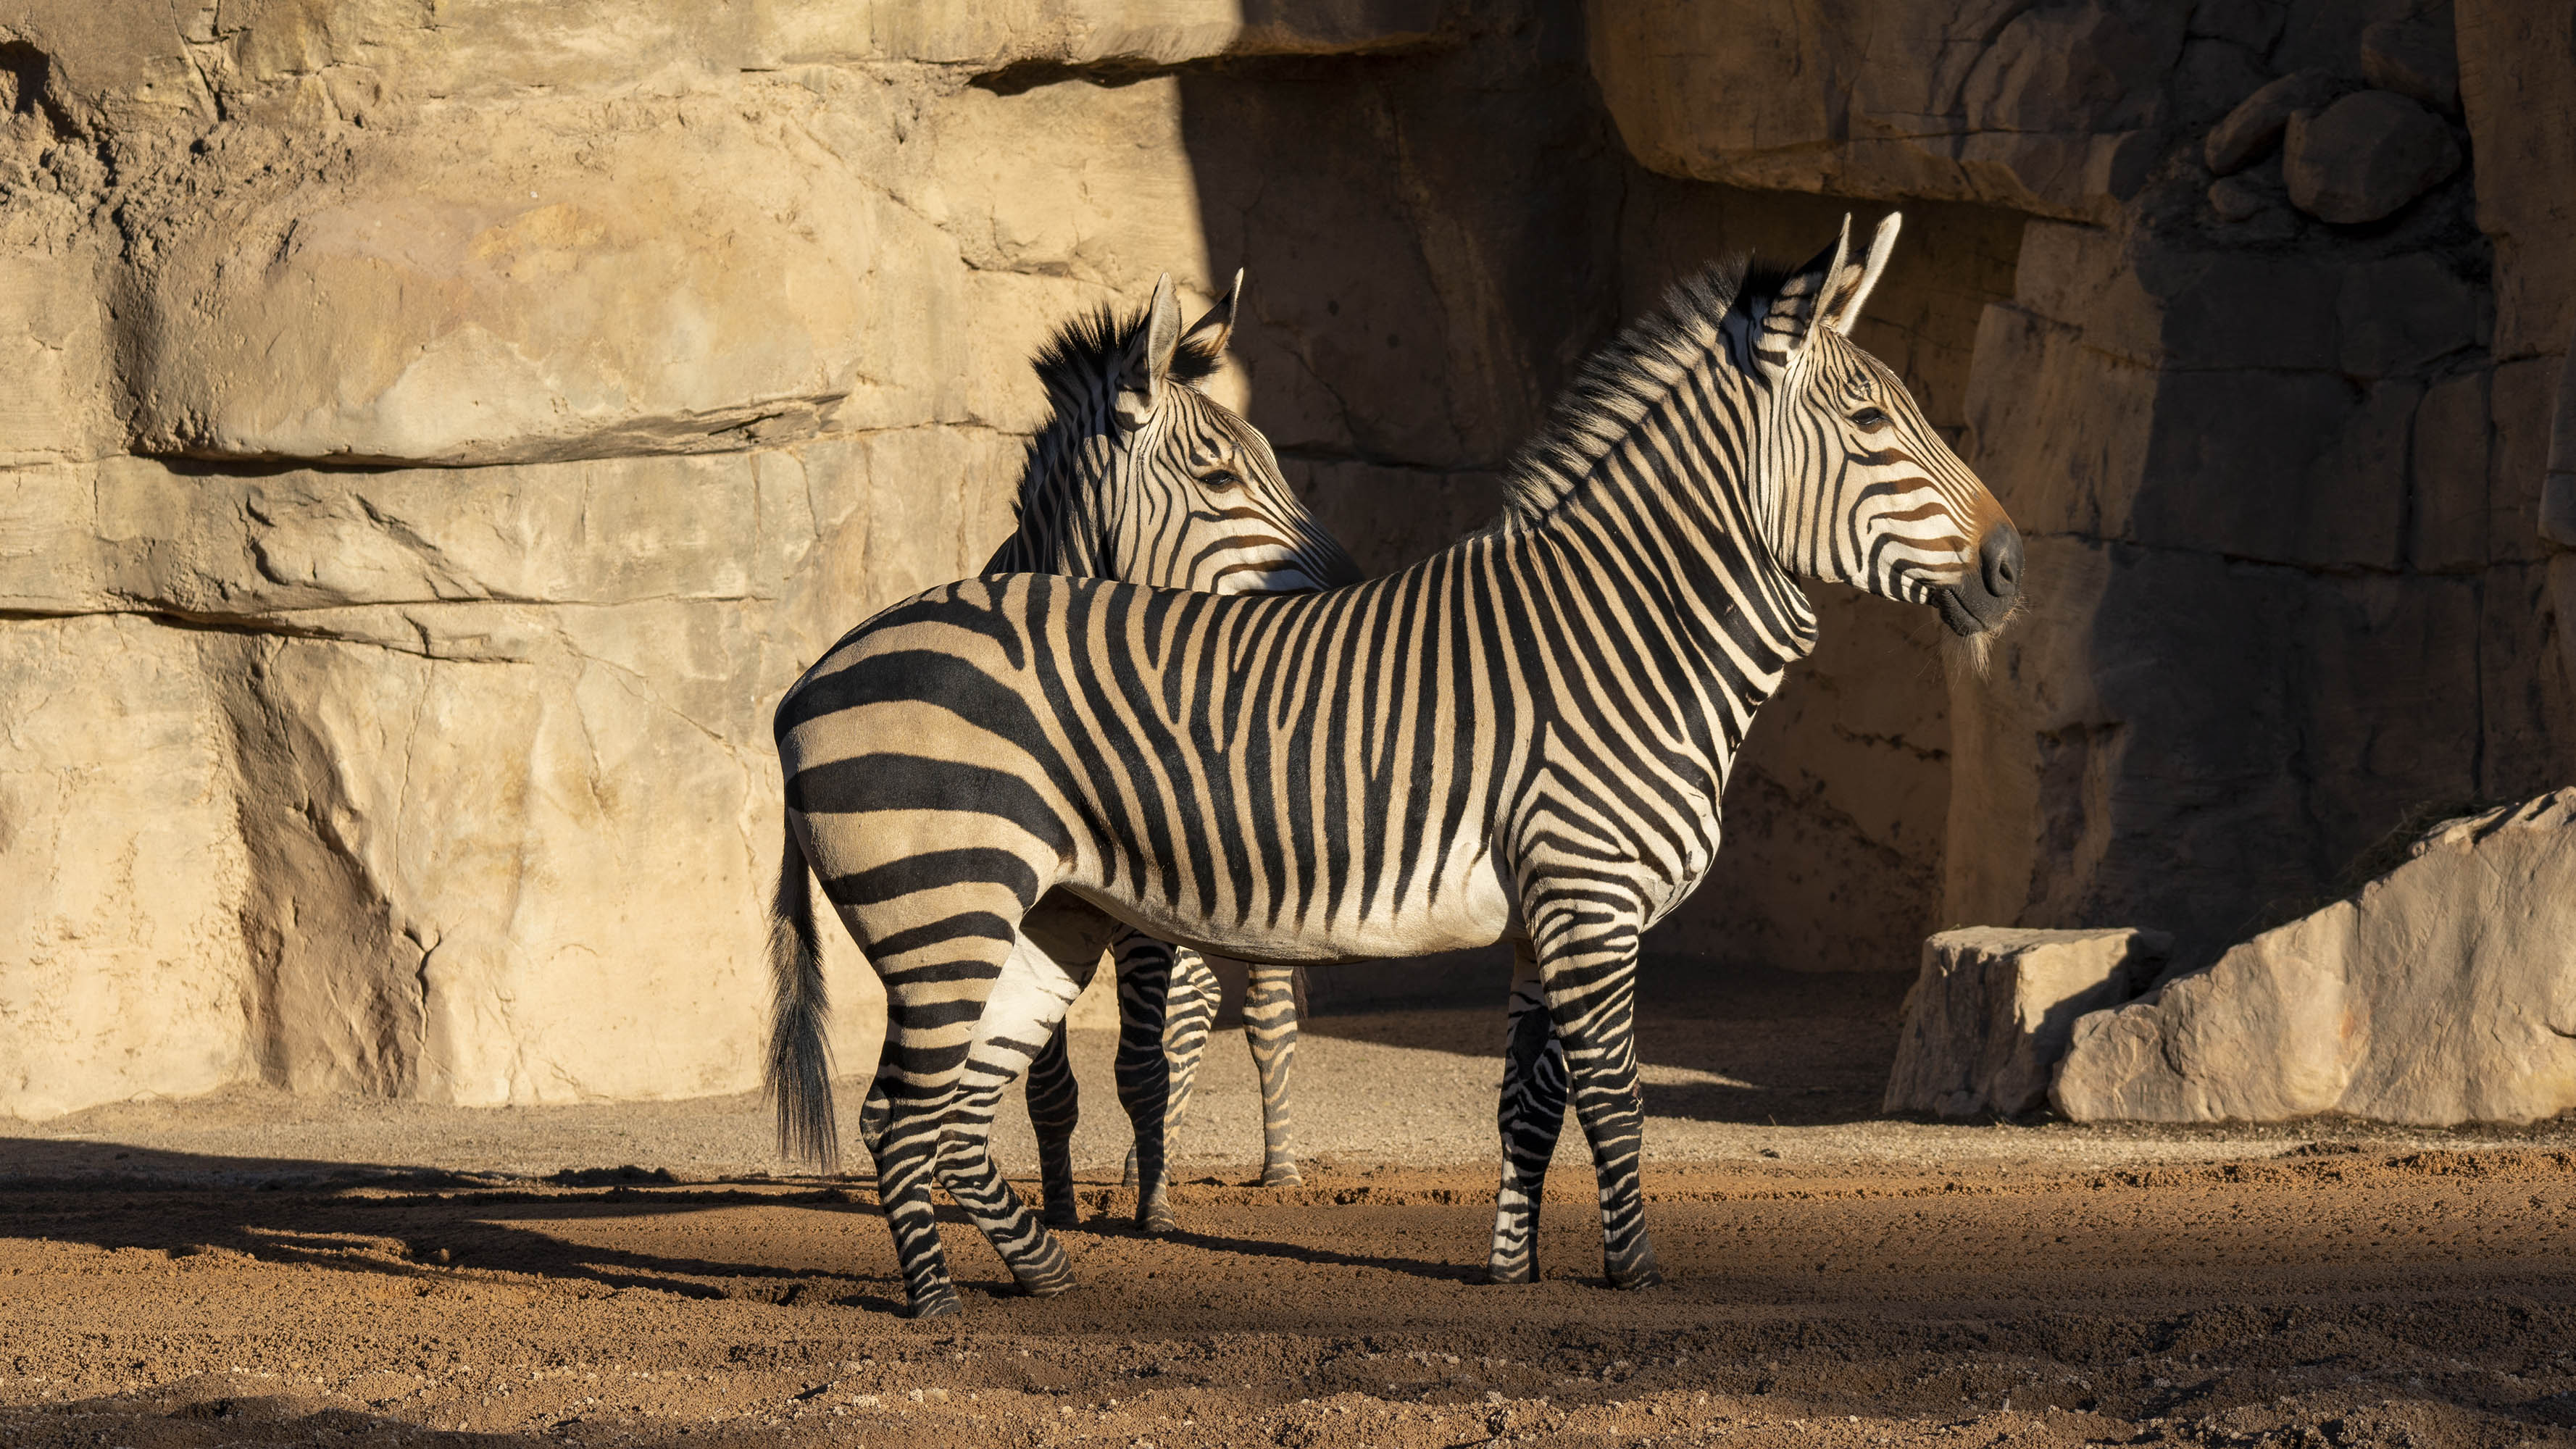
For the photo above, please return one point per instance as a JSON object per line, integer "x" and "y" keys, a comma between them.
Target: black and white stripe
{"x": 1524, "y": 736}
{"x": 1138, "y": 475}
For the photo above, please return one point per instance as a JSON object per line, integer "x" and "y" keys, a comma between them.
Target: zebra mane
{"x": 1078, "y": 361}
{"x": 1627, "y": 375}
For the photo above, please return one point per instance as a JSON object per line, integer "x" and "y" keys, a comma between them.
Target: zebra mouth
{"x": 1964, "y": 616}
{"x": 1983, "y": 600}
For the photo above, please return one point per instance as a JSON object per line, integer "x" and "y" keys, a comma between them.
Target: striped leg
{"x": 1188, "y": 1007}
{"x": 919, "y": 1074}
{"x": 1026, "y": 1011}
{"x": 941, "y": 974}
{"x": 1531, "y": 1114}
{"x": 1270, "y": 1029}
{"x": 1587, "y": 951}
{"x": 1146, "y": 1080}
{"x": 1055, "y": 1109}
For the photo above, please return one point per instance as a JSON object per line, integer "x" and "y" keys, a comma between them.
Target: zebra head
{"x": 1141, "y": 476}
{"x": 1865, "y": 492}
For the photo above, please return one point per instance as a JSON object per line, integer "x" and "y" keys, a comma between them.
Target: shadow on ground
{"x": 1716, "y": 1043}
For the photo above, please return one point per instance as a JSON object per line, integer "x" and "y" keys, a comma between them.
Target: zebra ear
{"x": 1147, "y": 369}
{"x": 1852, "y": 282}
{"x": 1798, "y": 304}
{"x": 1210, "y": 333}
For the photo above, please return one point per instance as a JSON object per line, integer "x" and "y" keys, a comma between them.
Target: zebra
{"x": 1137, "y": 474}
{"x": 1523, "y": 737}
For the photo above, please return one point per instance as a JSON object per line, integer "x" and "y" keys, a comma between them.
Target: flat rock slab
{"x": 2444, "y": 992}
{"x": 1994, "y": 1007}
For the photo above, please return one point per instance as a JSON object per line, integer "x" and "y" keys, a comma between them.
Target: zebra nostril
{"x": 1999, "y": 560}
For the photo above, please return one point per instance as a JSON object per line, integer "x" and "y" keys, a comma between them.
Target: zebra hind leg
{"x": 1530, "y": 1116}
{"x": 1270, "y": 1030}
{"x": 1026, "y": 1011}
{"x": 1146, "y": 1082}
{"x": 1055, "y": 1109}
{"x": 939, "y": 983}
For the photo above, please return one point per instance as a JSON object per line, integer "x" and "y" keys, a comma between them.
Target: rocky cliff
{"x": 431, "y": 436}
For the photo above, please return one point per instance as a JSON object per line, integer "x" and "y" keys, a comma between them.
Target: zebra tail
{"x": 799, "y": 1071}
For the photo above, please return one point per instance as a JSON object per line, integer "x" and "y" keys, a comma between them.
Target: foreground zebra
{"x": 1137, "y": 475}
{"x": 1524, "y": 736}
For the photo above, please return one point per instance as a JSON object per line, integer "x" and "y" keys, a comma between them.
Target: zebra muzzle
{"x": 1986, "y": 597}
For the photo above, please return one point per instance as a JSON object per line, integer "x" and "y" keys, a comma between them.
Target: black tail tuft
{"x": 800, "y": 1060}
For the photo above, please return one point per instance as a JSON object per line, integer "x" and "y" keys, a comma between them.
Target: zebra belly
{"x": 1470, "y": 903}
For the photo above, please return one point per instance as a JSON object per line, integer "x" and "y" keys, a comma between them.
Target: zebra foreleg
{"x": 1270, "y": 1030}
{"x": 1144, "y": 1070}
{"x": 1530, "y": 1116}
{"x": 1188, "y": 1005}
{"x": 1589, "y": 966}
{"x": 1055, "y": 1109}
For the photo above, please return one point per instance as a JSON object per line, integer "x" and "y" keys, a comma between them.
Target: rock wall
{"x": 433, "y": 442}
{"x": 430, "y": 440}
{"x": 2271, "y": 400}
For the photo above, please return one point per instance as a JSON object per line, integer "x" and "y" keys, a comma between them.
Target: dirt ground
{"x": 263, "y": 1270}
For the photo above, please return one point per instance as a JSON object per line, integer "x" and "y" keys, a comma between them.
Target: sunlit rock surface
{"x": 2444, "y": 992}
{"x": 428, "y": 449}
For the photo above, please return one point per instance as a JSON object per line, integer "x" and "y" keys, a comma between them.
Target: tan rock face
{"x": 2443, "y": 993}
{"x": 1879, "y": 98}
{"x": 1992, "y": 1011}
{"x": 454, "y": 781}
{"x": 126, "y": 966}
{"x": 471, "y": 531}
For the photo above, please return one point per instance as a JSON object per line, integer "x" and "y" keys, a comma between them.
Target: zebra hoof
{"x": 1048, "y": 1287}
{"x": 1282, "y": 1177}
{"x": 1519, "y": 1275}
{"x": 942, "y": 1304}
{"x": 1646, "y": 1275}
{"x": 1061, "y": 1215}
{"x": 1159, "y": 1222}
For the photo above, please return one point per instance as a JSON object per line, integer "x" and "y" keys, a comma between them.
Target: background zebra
{"x": 1138, "y": 475}
{"x": 1205, "y": 508}
{"x": 1524, "y": 736}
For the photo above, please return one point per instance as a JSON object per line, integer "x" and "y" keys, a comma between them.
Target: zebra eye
{"x": 1870, "y": 418}
{"x": 1218, "y": 480}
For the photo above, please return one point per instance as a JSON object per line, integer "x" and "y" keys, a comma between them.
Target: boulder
{"x": 2443, "y": 992}
{"x": 2416, "y": 55}
{"x": 1992, "y": 1009}
{"x": 2250, "y": 131}
{"x": 2365, "y": 156}
{"x": 2235, "y": 199}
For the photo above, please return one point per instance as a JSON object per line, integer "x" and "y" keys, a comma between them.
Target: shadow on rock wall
{"x": 1455, "y": 232}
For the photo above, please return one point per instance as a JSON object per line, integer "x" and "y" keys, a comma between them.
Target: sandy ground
{"x": 258, "y": 1270}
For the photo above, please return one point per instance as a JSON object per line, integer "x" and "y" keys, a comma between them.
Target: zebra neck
{"x": 1056, "y": 532}
{"x": 1665, "y": 525}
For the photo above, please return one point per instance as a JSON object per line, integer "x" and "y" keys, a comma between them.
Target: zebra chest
{"x": 1677, "y": 858}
